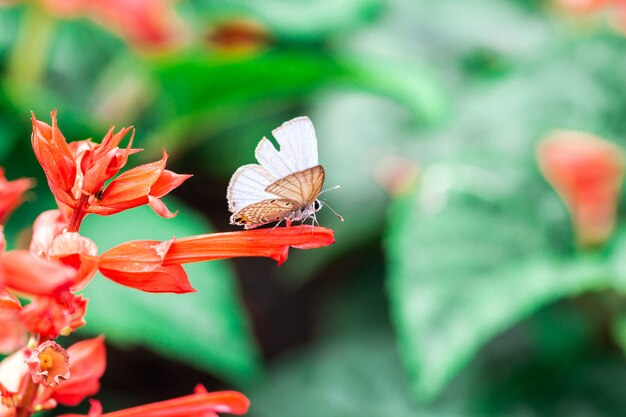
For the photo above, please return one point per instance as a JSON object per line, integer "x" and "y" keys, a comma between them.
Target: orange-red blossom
{"x": 155, "y": 266}
{"x": 59, "y": 376}
{"x": 77, "y": 173}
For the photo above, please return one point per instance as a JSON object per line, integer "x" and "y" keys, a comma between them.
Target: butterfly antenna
{"x": 336, "y": 187}
{"x": 339, "y": 216}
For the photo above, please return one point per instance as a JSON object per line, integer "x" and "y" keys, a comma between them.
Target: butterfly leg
{"x": 314, "y": 221}
{"x": 277, "y": 224}
{"x": 288, "y": 223}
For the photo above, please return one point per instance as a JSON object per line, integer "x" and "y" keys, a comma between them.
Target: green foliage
{"x": 464, "y": 273}
{"x": 206, "y": 329}
{"x": 494, "y": 310}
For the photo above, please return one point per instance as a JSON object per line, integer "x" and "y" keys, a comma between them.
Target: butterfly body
{"x": 286, "y": 182}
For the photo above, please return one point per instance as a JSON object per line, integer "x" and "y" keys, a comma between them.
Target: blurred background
{"x": 459, "y": 284}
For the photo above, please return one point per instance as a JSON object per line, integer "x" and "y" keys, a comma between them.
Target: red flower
{"x": 48, "y": 364}
{"x": 77, "y": 174}
{"x": 51, "y": 317}
{"x": 87, "y": 362}
{"x": 199, "y": 404}
{"x": 11, "y": 194}
{"x": 615, "y": 9}
{"x": 587, "y": 173}
{"x": 154, "y": 266}
{"x": 147, "y": 24}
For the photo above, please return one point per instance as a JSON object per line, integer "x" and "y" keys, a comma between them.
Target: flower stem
{"x": 78, "y": 214}
{"x": 24, "y": 409}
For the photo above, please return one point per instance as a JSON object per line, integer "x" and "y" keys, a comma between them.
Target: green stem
{"x": 29, "y": 56}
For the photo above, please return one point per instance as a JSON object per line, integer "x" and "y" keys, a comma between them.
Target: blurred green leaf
{"x": 297, "y": 21}
{"x": 464, "y": 267}
{"x": 353, "y": 369}
{"x": 205, "y": 93}
{"x": 207, "y": 329}
{"x": 8, "y": 136}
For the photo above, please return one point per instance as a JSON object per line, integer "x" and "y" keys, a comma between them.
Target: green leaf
{"x": 298, "y": 21}
{"x": 8, "y": 137}
{"x": 353, "y": 368}
{"x": 207, "y": 329}
{"x": 464, "y": 267}
{"x": 204, "y": 93}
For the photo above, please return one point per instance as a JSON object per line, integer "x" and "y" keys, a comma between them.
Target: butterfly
{"x": 286, "y": 183}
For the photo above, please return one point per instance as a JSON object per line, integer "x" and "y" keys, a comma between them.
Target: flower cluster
{"x": 84, "y": 177}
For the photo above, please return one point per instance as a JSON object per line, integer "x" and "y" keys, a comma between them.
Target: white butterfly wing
{"x": 247, "y": 186}
{"x": 298, "y": 148}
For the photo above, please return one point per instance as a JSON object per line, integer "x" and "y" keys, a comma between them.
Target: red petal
{"x": 166, "y": 182}
{"x": 160, "y": 208}
{"x": 103, "y": 157}
{"x": 54, "y": 156}
{"x": 29, "y": 274}
{"x": 11, "y": 194}
{"x": 47, "y": 226}
{"x": 130, "y": 189}
{"x": 270, "y": 243}
{"x": 172, "y": 279}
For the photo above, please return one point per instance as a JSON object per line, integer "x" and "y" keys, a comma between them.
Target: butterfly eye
{"x": 317, "y": 205}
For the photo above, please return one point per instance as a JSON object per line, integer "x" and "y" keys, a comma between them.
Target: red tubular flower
{"x": 139, "y": 264}
{"x": 77, "y": 174}
{"x": 587, "y": 173}
{"x": 87, "y": 362}
{"x": 154, "y": 266}
{"x": 11, "y": 194}
{"x": 199, "y": 404}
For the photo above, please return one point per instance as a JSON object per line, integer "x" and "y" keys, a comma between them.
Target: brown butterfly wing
{"x": 302, "y": 186}
{"x": 263, "y": 212}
